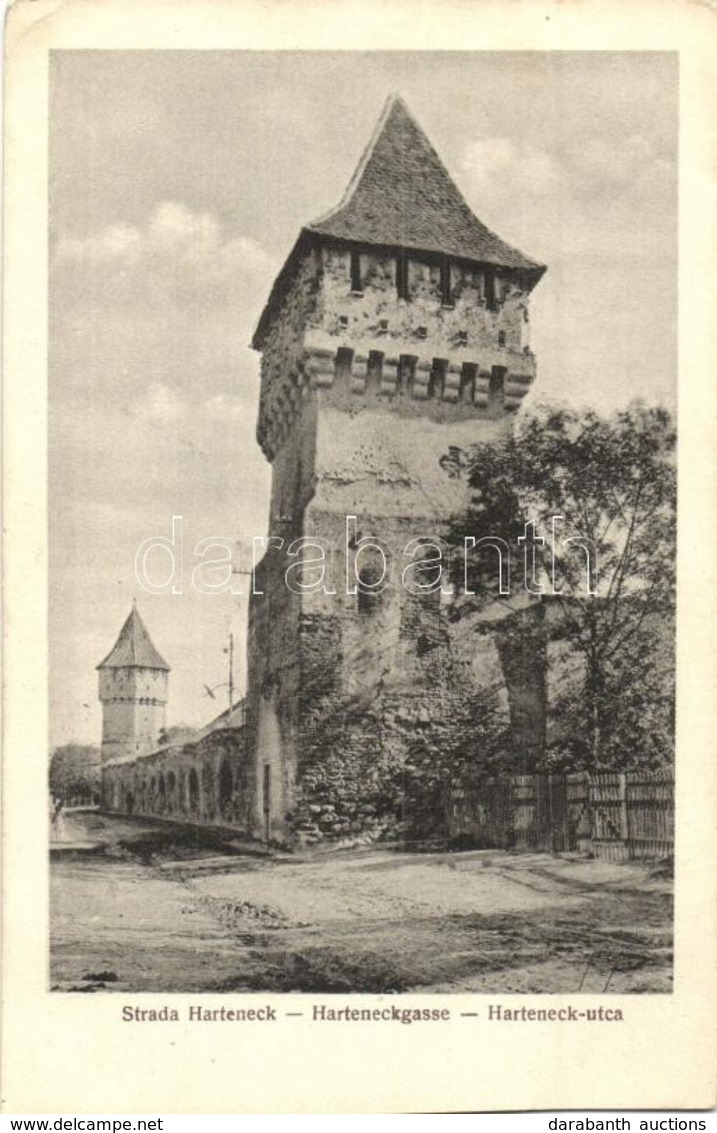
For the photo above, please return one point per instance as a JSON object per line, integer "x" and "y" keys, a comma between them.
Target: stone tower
{"x": 133, "y": 691}
{"x": 397, "y": 328}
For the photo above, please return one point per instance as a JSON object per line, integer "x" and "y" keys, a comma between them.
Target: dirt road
{"x": 162, "y": 909}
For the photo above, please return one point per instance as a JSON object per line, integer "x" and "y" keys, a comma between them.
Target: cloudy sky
{"x": 178, "y": 183}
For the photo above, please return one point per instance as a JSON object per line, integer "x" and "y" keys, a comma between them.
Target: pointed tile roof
{"x": 133, "y": 648}
{"x": 402, "y": 196}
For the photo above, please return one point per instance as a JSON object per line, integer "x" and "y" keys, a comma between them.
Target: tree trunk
{"x": 594, "y": 702}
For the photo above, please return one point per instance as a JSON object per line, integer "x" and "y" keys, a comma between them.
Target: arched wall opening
{"x": 172, "y": 791}
{"x": 226, "y": 789}
{"x": 207, "y": 785}
{"x": 193, "y": 791}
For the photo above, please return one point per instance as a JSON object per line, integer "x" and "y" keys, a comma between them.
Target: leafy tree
{"x": 387, "y": 753}
{"x": 610, "y": 568}
{"x": 75, "y": 771}
{"x": 176, "y": 734}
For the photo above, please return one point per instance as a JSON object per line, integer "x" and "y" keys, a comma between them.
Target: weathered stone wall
{"x": 364, "y": 706}
{"x": 470, "y": 355}
{"x": 363, "y": 393}
{"x": 133, "y": 702}
{"x": 283, "y": 380}
{"x": 466, "y": 329}
{"x": 342, "y": 688}
{"x": 272, "y": 696}
{"x": 397, "y": 700}
{"x": 294, "y": 473}
{"x": 206, "y": 781}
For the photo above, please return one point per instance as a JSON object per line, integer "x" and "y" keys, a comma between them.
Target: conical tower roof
{"x": 402, "y": 196}
{"x": 133, "y": 648}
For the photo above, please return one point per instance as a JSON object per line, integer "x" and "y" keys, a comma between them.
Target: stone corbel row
{"x": 320, "y": 368}
{"x": 516, "y": 387}
{"x": 514, "y": 390}
{"x": 277, "y": 415}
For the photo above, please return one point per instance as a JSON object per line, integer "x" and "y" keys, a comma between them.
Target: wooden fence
{"x": 608, "y": 815}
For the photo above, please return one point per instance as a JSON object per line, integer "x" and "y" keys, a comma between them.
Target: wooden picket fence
{"x": 609, "y": 815}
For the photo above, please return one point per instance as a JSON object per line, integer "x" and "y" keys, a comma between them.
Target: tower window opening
{"x": 422, "y": 332}
{"x": 490, "y": 290}
{"x": 356, "y": 271}
{"x": 446, "y": 292}
{"x": 383, "y": 326}
{"x": 402, "y": 275}
{"x": 374, "y": 369}
{"x": 343, "y": 320}
{"x": 437, "y": 380}
{"x": 467, "y": 387}
{"x": 405, "y": 372}
{"x": 496, "y": 387}
{"x": 369, "y": 590}
{"x": 462, "y": 338}
{"x": 501, "y": 338}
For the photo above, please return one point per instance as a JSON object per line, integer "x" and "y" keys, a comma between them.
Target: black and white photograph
{"x": 362, "y": 518}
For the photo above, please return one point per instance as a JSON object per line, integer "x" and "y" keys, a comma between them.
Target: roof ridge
{"x": 463, "y": 202}
{"x": 391, "y": 101}
{"x": 134, "y": 648}
{"x": 402, "y": 196}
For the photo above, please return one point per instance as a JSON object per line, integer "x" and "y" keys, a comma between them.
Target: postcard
{"x": 359, "y": 646}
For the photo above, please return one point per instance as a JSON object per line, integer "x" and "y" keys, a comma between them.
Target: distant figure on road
{"x": 58, "y": 824}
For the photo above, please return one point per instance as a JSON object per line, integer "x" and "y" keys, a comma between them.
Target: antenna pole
{"x": 231, "y": 672}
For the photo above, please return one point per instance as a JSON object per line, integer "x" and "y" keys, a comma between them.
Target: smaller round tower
{"x": 133, "y": 682}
